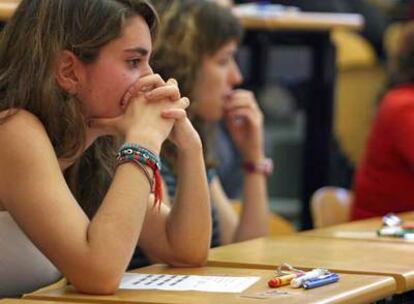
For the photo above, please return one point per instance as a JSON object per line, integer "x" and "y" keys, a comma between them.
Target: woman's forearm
{"x": 114, "y": 230}
{"x": 189, "y": 222}
{"x": 253, "y": 220}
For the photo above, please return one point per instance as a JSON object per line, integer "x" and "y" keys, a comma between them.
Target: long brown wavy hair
{"x": 189, "y": 31}
{"x": 37, "y": 32}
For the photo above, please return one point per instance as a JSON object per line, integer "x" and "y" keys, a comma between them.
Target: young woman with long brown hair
{"x": 66, "y": 70}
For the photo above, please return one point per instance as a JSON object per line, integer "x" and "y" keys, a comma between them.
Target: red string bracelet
{"x": 144, "y": 157}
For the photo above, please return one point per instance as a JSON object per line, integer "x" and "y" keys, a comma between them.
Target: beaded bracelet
{"x": 146, "y": 153}
{"x": 143, "y": 157}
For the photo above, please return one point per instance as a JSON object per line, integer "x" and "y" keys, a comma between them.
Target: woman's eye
{"x": 133, "y": 63}
{"x": 224, "y": 61}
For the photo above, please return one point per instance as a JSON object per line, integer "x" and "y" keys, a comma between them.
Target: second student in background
{"x": 197, "y": 44}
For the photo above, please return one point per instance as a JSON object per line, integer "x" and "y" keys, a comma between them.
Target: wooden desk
{"x": 340, "y": 255}
{"x": 362, "y": 230}
{"x": 253, "y": 17}
{"x": 350, "y": 289}
{"x": 305, "y": 21}
{"x": 24, "y": 301}
{"x": 7, "y": 9}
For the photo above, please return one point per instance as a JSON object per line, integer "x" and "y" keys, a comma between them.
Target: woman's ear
{"x": 67, "y": 72}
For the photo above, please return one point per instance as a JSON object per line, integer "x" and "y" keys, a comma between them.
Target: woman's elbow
{"x": 198, "y": 262}
{"x": 191, "y": 260}
{"x": 96, "y": 280}
{"x": 103, "y": 286}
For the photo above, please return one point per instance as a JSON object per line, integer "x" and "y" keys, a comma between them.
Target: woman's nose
{"x": 147, "y": 71}
{"x": 236, "y": 77}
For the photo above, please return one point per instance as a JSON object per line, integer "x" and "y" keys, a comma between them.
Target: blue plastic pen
{"x": 327, "y": 279}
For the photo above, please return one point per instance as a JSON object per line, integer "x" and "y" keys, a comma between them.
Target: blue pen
{"x": 323, "y": 280}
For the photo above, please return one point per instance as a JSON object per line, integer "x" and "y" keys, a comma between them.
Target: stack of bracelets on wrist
{"x": 143, "y": 157}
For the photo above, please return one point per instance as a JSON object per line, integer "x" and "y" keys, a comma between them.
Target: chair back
{"x": 331, "y": 206}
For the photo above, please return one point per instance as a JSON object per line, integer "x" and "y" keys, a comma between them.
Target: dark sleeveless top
{"x": 139, "y": 259}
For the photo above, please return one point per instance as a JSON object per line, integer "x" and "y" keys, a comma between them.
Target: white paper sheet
{"x": 186, "y": 282}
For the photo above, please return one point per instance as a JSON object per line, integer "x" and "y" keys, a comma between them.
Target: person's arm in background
{"x": 244, "y": 121}
{"x": 228, "y": 166}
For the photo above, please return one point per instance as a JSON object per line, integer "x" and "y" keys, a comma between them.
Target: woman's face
{"x": 119, "y": 64}
{"x": 215, "y": 81}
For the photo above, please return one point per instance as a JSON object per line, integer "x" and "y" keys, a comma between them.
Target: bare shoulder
{"x": 22, "y": 128}
{"x": 19, "y": 120}
{"x": 23, "y": 139}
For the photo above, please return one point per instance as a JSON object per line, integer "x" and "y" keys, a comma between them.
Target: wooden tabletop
{"x": 351, "y": 288}
{"x": 362, "y": 230}
{"x": 340, "y": 255}
{"x": 257, "y": 17}
{"x": 25, "y": 301}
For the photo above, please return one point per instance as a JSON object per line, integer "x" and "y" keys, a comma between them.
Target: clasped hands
{"x": 152, "y": 110}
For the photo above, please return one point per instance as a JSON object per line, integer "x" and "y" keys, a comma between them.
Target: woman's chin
{"x": 113, "y": 114}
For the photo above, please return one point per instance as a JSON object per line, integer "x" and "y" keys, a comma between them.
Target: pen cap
{"x": 297, "y": 282}
{"x": 281, "y": 280}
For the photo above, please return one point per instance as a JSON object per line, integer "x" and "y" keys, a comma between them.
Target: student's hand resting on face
{"x": 244, "y": 121}
{"x": 142, "y": 122}
{"x": 183, "y": 135}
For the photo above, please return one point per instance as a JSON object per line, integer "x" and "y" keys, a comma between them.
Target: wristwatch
{"x": 265, "y": 166}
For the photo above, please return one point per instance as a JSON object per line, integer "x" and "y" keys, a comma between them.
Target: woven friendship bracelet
{"x": 144, "y": 157}
{"x": 146, "y": 153}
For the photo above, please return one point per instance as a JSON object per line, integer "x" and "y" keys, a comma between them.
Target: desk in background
{"x": 339, "y": 255}
{"x": 349, "y": 289}
{"x": 360, "y": 230}
{"x": 258, "y": 16}
{"x": 311, "y": 30}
